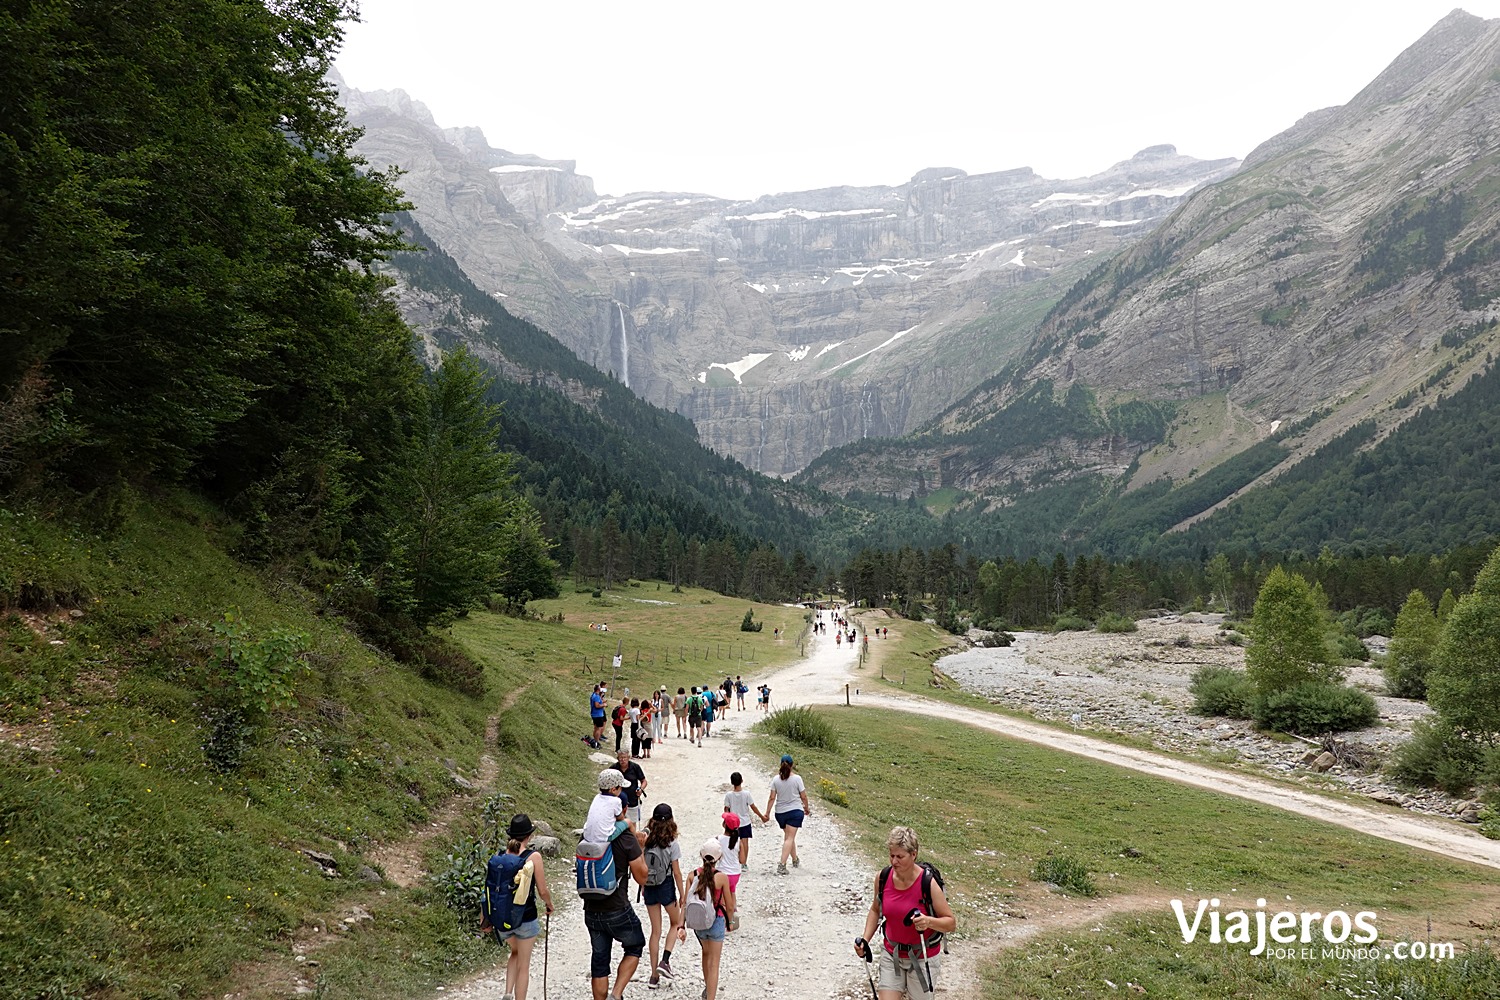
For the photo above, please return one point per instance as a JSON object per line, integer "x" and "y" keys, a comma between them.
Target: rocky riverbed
{"x": 1136, "y": 684}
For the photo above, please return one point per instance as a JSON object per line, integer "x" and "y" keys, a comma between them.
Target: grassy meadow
{"x": 1143, "y": 842}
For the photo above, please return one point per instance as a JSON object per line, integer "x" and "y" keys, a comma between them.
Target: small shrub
{"x": 1437, "y": 757}
{"x": 1111, "y": 622}
{"x": 1405, "y": 678}
{"x": 1232, "y": 638}
{"x": 1222, "y": 691}
{"x": 596, "y": 594}
{"x": 1068, "y": 874}
{"x": 800, "y": 725}
{"x": 1069, "y": 623}
{"x": 832, "y": 792}
{"x": 1315, "y": 707}
{"x": 749, "y": 624}
{"x": 996, "y": 640}
{"x": 1350, "y": 648}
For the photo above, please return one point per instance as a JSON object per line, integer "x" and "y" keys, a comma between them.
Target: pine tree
{"x": 1287, "y": 645}
{"x": 1463, "y": 686}
{"x": 1415, "y": 638}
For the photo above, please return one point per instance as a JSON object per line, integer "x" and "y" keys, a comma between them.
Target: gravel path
{"x": 796, "y": 932}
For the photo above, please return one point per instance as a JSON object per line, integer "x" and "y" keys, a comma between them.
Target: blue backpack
{"x": 501, "y": 907}
{"x": 594, "y": 864}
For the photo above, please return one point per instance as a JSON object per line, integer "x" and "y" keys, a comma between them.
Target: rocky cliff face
{"x": 790, "y": 324}
{"x": 1352, "y": 266}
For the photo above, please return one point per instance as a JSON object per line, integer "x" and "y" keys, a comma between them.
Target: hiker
{"x": 710, "y": 699}
{"x": 729, "y": 839}
{"x": 740, "y": 690}
{"x": 765, "y": 697}
{"x": 617, "y": 719}
{"x": 679, "y": 711}
{"x": 788, "y": 801}
{"x": 728, "y": 688}
{"x": 635, "y": 786}
{"x": 912, "y": 912}
{"x": 661, "y": 711}
{"x": 634, "y": 716}
{"x": 738, "y": 801}
{"x": 663, "y": 855}
{"x": 695, "y": 716}
{"x": 521, "y": 937}
{"x": 647, "y": 721}
{"x": 607, "y": 809}
{"x": 610, "y": 918}
{"x": 711, "y": 888}
{"x": 596, "y": 713}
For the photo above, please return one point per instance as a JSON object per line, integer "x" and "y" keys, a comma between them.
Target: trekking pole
{"x": 910, "y": 917}
{"x": 869, "y": 958}
{"x": 546, "y": 950}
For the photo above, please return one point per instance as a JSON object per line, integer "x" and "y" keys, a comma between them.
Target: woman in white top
{"x": 789, "y": 802}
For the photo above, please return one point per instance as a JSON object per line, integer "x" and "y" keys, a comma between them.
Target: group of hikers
{"x": 648, "y": 720}
{"x": 908, "y": 905}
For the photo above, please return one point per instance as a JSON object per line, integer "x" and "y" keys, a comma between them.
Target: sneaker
{"x": 654, "y": 983}
{"x": 781, "y": 869}
{"x": 796, "y": 861}
{"x": 664, "y": 970}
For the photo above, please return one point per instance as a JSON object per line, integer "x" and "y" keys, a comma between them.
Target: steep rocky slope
{"x": 787, "y": 325}
{"x": 1349, "y": 269}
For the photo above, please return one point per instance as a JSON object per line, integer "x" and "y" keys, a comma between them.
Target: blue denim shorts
{"x": 715, "y": 932}
{"x": 660, "y": 895}
{"x": 607, "y": 927}
{"x": 529, "y": 929}
{"x": 792, "y": 817}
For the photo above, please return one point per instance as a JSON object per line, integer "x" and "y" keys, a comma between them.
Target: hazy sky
{"x": 739, "y": 100}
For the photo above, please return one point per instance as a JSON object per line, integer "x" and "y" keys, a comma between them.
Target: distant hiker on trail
{"x": 710, "y": 698}
{"x": 647, "y": 723}
{"x": 740, "y": 690}
{"x": 728, "y": 688}
{"x": 634, "y": 715}
{"x": 912, "y": 913}
{"x": 711, "y": 888}
{"x": 788, "y": 801}
{"x": 610, "y": 918}
{"x": 680, "y": 712}
{"x": 695, "y": 716}
{"x": 621, "y": 713}
{"x": 596, "y": 713}
{"x": 661, "y": 714}
{"x": 635, "y": 785}
{"x": 765, "y": 697}
{"x": 663, "y": 889}
{"x": 514, "y": 882}
{"x": 738, "y": 801}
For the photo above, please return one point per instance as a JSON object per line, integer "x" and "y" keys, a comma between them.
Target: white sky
{"x": 739, "y": 100}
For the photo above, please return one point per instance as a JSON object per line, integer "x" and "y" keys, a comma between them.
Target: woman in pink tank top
{"x": 911, "y": 921}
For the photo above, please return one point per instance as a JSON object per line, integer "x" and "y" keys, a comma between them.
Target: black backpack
{"x": 930, "y": 874}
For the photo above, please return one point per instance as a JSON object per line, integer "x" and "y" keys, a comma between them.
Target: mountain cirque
{"x": 788, "y": 325}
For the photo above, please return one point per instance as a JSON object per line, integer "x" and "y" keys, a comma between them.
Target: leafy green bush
{"x": 1350, "y": 648}
{"x": 1069, "y": 623}
{"x": 1222, "y": 691}
{"x": 749, "y": 624}
{"x": 1068, "y": 874}
{"x": 800, "y": 725}
{"x": 1436, "y": 756}
{"x": 1314, "y": 707}
{"x": 1111, "y": 622}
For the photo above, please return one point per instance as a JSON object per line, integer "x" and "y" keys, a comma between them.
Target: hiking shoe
{"x": 796, "y": 861}
{"x": 781, "y": 869}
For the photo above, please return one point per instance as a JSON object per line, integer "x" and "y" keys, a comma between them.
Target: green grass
{"x": 132, "y": 868}
{"x": 940, "y": 502}
{"x": 989, "y": 811}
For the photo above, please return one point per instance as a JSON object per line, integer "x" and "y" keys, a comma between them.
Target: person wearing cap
{"x": 611, "y": 918}
{"x": 788, "y": 801}
{"x": 909, "y": 960}
{"x": 661, "y": 841}
{"x": 607, "y": 809}
{"x": 707, "y": 882}
{"x": 523, "y": 938}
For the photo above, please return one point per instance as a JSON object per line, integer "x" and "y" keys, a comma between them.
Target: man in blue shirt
{"x": 596, "y": 713}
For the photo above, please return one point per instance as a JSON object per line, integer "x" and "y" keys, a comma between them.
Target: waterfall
{"x": 624, "y": 348}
